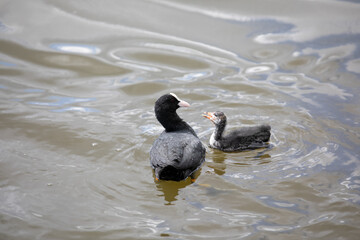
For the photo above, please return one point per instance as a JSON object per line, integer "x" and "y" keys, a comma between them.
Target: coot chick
{"x": 177, "y": 152}
{"x": 240, "y": 139}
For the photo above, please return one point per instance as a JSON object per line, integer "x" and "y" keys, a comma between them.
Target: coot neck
{"x": 171, "y": 121}
{"x": 219, "y": 130}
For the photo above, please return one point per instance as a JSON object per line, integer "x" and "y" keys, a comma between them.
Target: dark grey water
{"x": 77, "y": 88}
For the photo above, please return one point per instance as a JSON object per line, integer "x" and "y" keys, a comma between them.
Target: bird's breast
{"x": 213, "y": 143}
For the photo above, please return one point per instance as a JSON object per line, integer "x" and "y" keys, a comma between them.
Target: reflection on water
{"x": 75, "y": 48}
{"x": 58, "y": 101}
{"x": 218, "y": 162}
{"x": 170, "y": 189}
{"x": 77, "y": 121}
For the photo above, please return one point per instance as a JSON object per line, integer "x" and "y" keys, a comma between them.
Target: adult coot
{"x": 178, "y": 152}
{"x": 239, "y": 139}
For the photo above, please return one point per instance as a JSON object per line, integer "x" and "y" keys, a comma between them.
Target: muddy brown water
{"x": 77, "y": 87}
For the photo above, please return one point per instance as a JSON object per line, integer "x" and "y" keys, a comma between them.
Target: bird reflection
{"x": 170, "y": 189}
{"x": 218, "y": 164}
{"x": 263, "y": 154}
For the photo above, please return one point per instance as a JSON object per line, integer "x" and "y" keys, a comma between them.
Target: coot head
{"x": 218, "y": 118}
{"x": 165, "y": 111}
{"x": 169, "y": 103}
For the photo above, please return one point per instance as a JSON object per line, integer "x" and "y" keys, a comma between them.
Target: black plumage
{"x": 177, "y": 152}
{"x": 237, "y": 140}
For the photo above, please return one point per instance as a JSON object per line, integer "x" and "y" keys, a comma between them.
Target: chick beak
{"x": 209, "y": 115}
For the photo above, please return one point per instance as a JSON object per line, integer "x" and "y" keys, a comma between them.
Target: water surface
{"x": 77, "y": 88}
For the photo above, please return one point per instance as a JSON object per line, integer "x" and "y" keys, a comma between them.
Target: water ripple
{"x": 75, "y": 48}
{"x": 77, "y": 119}
{"x": 59, "y": 101}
